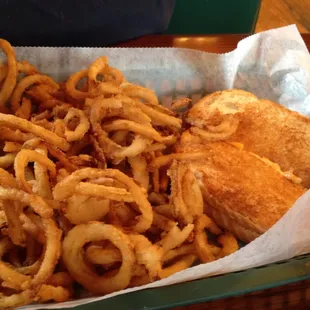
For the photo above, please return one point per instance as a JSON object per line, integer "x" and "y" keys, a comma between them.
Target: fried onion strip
{"x": 52, "y": 233}
{"x": 183, "y": 263}
{"x": 24, "y": 110}
{"x": 14, "y": 122}
{"x": 143, "y": 130}
{"x": 175, "y": 237}
{"x": 7, "y": 160}
{"x": 203, "y": 247}
{"x": 21, "y": 161}
{"x": 139, "y": 170}
{"x": 103, "y": 256}
{"x": 49, "y": 292}
{"x": 167, "y": 159}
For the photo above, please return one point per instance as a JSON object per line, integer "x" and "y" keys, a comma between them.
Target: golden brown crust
{"x": 265, "y": 128}
{"x": 242, "y": 187}
{"x": 283, "y": 136}
{"x": 227, "y": 102}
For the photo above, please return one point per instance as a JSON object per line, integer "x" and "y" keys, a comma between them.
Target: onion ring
{"x": 81, "y": 129}
{"x": 82, "y": 273}
{"x": 27, "y": 68}
{"x": 73, "y": 81}
{"x": 27, "y": 82}
{"x": 69, "y": 186}
{"x": 183, "y": 263}
{"x": 95, "y": 68}
{"x": 93, "y": 93}
{"x": 111, "y": 107}
{"x": 117, "y": 75}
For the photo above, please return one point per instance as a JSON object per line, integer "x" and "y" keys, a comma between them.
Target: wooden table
{"x": 288, "y": 297}
{"x": 212, "y": 44}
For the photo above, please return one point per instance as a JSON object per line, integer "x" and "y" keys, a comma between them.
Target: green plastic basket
{"x": 217, "y": 287}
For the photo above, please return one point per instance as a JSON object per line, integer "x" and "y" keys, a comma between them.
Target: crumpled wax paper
{"x": 274, "y": 65}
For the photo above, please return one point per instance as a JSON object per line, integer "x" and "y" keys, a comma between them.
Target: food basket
{"x": 198, "y": 74}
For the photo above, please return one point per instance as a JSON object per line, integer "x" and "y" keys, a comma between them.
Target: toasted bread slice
{"x": 265, "y": 128}
{"x": 243, "y": 193}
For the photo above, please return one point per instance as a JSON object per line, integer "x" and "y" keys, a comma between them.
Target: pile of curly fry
{"x": 85, "y": 190}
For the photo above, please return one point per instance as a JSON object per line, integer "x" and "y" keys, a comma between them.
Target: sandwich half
{"x": 265, "y": 128}
{"x": 243, "y": 193}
